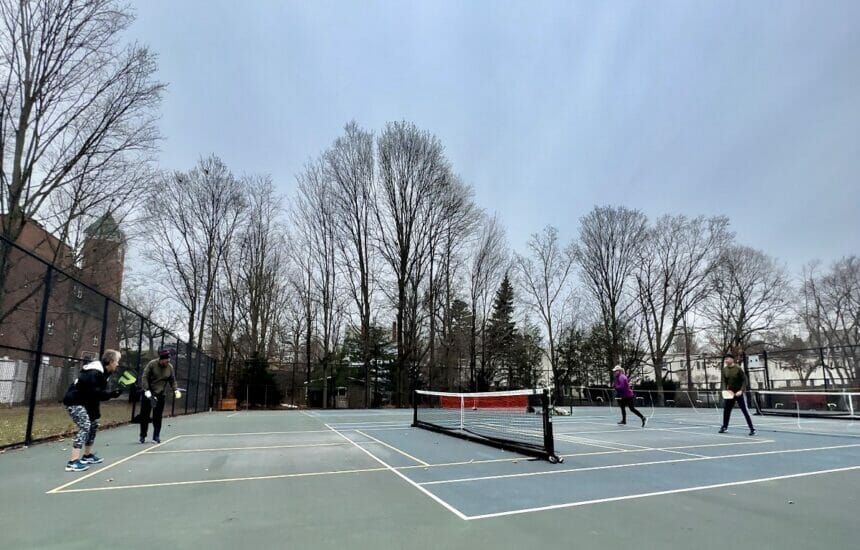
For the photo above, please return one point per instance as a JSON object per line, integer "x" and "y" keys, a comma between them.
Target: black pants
{"x": 727, "y": 410}
{"x": 145, "y": 410}
{"x": 624, "y": 404}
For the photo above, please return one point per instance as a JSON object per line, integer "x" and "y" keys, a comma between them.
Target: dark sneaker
{"x": 752, "y": 432}
{"x": 76, "y": 466}
{"x": 644, "y": 420}
{"x": 622, "y": 423}
{"x": 91, "y": 459}
{"x": 156, "y": 440}
{"x": 723, "y": 430}
{"x": 142, "y": 440}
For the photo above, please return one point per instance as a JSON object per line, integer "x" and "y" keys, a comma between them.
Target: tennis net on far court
{"x": 809, "y": 404}
{"x": 515, "y": 420}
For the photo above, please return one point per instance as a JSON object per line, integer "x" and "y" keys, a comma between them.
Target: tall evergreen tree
{"x": 499, "y": 364}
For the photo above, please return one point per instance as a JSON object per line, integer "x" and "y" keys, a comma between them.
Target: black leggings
{"x": 624, "y": 404}
{"x": 157, "y": 412}
{"x": 727, "y": 410}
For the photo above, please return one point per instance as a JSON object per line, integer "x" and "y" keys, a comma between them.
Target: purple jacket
{"x": 622, "y": 386}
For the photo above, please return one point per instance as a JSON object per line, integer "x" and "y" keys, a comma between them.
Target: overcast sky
{"x": 749, "y": 109}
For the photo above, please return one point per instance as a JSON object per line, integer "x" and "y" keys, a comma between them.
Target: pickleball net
{"x": 518, "y": 420}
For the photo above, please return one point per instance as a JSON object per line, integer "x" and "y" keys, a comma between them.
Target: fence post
{"x": 188, "y": 376}
{"x": 210, "y": 393}
{"x": 104, "y": 328}
{"x": 823, "y": 368}
{"x": 766, "y": 371}
{"x": 197, "y": 382}
{"x": 137, "y": 369}
{"x": 43, "y": 317}
{"x": 175, "y": 372}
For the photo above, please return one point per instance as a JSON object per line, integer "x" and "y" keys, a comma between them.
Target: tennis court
{"x": 366, "y": 479}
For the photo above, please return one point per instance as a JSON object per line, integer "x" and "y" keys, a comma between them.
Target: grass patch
{"x": 52, "y": 420}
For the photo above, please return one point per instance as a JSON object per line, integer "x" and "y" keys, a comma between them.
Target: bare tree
{"x": 317, "y": 225}
{"x": 413, "y": 172}
{"x": 190, "y": 239}
{"x": 453, "y": 220}
{"x": 830, "y": 311}
{"x": 671, "y": 275}
{"x": 77, "y": 115}
{"x": 488, "y": 263}
{"x": 301, "y": 288}
{"x": 544, "y": 277}
{"x": 262, "y": 263}
{"x": 749, "y": 296}
{"x": 609, "y": 240}
{"x": 349, "y": 166}
{"x": 294, "y": 324}
{"x": 227, "y": 317}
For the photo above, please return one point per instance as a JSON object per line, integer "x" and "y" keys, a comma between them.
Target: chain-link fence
{"x": 54, "y": 318}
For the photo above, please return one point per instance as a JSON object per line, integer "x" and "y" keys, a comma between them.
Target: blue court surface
{"x": 366, "y": 479}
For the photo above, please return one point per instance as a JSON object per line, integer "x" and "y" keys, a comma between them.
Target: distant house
{"x": 76, "y": 314}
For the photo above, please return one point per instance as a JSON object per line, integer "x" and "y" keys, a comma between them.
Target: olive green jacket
{"x": 734, "y": 378}
{"x": 155, "y": 377}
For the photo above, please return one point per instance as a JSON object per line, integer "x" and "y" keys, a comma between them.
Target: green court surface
{"x": 366, "y": 479}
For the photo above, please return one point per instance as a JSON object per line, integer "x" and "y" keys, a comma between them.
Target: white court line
{"x": 635, "y": 464}
{"x": 234, "y": 414}
{"x": 583, "y": 441}
{"x": 108, "y": 467}
{"x": 407, "y": 455}
{"x": 574, "y": 455}
{"x": 258, "y": 433}
{"x": 405, "y": 414}
{"x": 643, "y": 447}
{"x": 649, "y": 427}
{"x": 224, "y": 480}
{"x": 351, "y": 425}
{"x": 447, "y": 506}
{"x": 596, "y": 453}
{"x": 621, "y": 430}
{"x": 659, "y": 493}
{"x": 373, "y": 428}
{"x": 219, "y": 449}
{"x": 338, "y": 472}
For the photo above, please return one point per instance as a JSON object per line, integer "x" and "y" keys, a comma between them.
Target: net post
{"x": 462, "y": 409}
{"x": 548, "y": 440}
{"x": 414, "y": 408}
{"x": 756, "y": 399}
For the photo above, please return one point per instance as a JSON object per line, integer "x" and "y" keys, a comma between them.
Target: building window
{"x": 50, "y": 330}
{"x": 95, "y": 341}
{"x": 79, "y": 292}
{"x": 75, "y": 336}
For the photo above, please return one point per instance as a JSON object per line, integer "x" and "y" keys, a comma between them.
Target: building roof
{"x": 105, "y": 228}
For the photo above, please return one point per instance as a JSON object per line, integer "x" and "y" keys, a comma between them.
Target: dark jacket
{"x": 90, "y": 389}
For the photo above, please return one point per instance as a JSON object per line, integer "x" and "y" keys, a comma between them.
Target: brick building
{"x": 76, "y": 314}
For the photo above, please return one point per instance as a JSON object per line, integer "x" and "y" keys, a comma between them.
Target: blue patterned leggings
{"x": 86, "y": 428}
